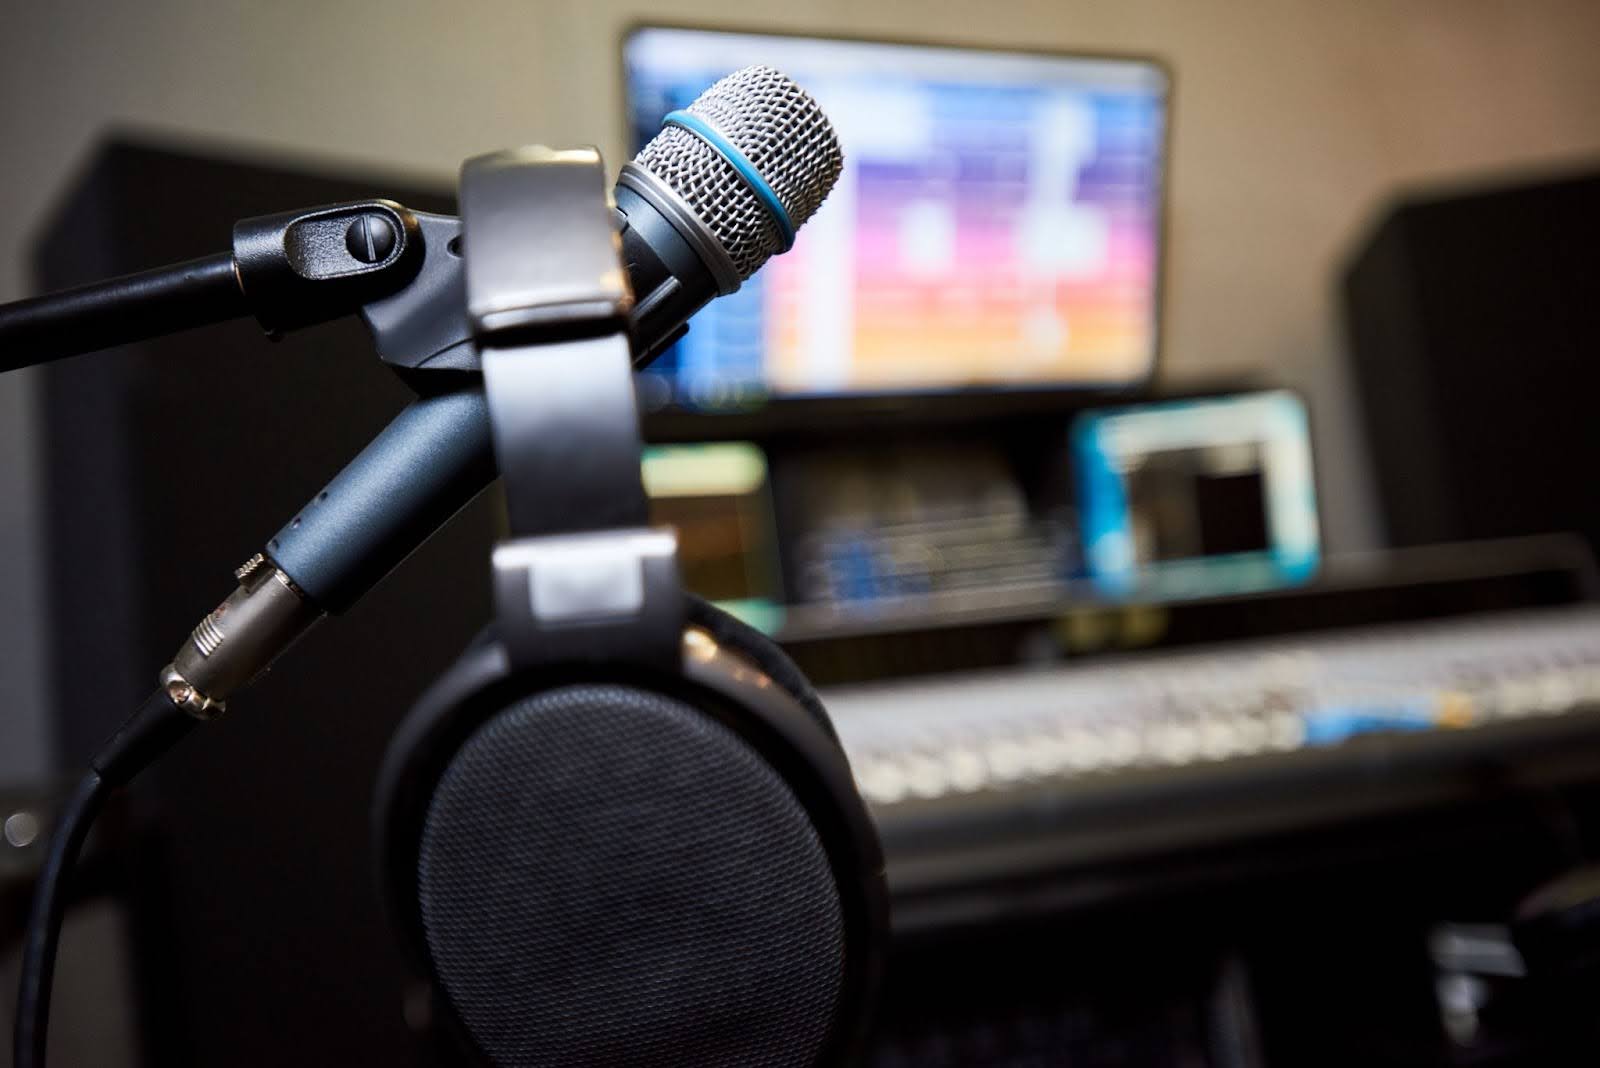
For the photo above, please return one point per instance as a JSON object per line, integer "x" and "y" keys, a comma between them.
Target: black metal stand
{"x": 289, "y": 270}
{"x": 129, "y": 308}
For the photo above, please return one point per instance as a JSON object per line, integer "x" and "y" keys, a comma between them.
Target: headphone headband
{"x": 583, "y": 577}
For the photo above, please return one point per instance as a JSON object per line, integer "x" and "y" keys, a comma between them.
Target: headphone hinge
{"x": 604, "y": 596}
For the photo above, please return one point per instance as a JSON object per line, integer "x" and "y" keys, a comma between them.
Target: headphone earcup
{"x": 609, "y": 876}
{"x": 761, "y": 650}
{"x": 622, "y": 866}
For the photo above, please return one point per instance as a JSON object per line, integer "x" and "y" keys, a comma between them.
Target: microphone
{"x": 719, "y": 191}
{"x": 734, "y": 175}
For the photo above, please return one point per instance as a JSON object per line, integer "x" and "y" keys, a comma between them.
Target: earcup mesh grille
{"x": 610, "y": 877}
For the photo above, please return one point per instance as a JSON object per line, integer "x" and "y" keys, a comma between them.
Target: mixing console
{"x": 952, "y": 735}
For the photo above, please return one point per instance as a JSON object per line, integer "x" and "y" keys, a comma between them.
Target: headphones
{"x": 620, "y": 830}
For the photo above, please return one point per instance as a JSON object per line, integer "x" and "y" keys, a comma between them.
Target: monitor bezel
{"x": 678, "y": 422}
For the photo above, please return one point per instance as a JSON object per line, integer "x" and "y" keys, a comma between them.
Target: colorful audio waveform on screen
{"x": 997, "y": 222}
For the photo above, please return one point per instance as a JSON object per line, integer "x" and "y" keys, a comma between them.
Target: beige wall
{"x": 1294, "y": 119}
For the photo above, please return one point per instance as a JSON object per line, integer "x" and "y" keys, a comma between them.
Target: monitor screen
{"x": 1197, "y": 497}
{"x": 997, "y": 224}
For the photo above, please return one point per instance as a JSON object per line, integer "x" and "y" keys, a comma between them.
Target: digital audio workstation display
{"x": 997, "y": 223}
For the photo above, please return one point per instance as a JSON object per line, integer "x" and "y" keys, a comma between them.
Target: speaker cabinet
{"x": 1474, "y": 330}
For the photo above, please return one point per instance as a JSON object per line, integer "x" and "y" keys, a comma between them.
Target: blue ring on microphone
{"x": 746, "y": 170}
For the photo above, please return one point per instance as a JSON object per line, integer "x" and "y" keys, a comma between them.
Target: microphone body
{"x": 425, "y": 466}
{"x": 436, "y": 455}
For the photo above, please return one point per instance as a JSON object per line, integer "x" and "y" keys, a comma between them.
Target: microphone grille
{"x": 784, "y": 135}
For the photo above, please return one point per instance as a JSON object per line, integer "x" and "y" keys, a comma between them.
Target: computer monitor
{"x": 997, "y": 225}
{"x": 1197, "y": 498}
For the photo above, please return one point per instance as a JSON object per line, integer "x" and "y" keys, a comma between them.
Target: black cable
{"x": 44, "y": 922}
{"x": 119, "y": 311}
{"x": 149, "y": 732}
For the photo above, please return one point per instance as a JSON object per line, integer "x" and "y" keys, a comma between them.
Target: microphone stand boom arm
{"x": 403, "y": 273}
{"x": 288, "y": 270}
